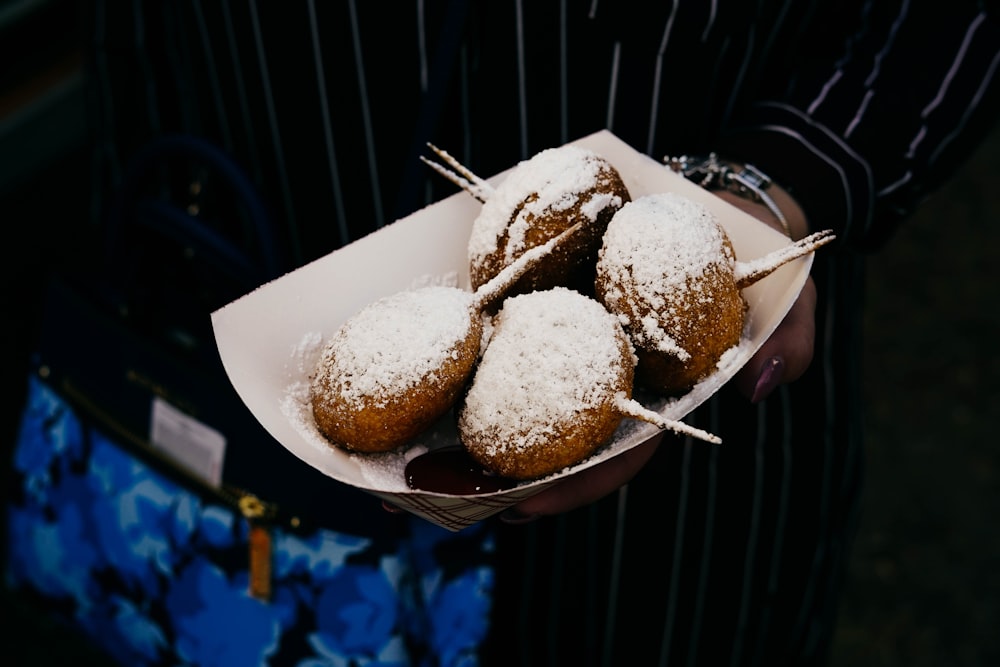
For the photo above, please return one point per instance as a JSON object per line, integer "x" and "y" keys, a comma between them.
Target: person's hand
{"x": 782, "y": 358}
{"x": 585, "y": 486}
{"x": 787, "y": 353}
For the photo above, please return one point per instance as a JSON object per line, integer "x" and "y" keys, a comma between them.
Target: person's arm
{"x": 872, "y": 122}
{"x": 856, "y": 142}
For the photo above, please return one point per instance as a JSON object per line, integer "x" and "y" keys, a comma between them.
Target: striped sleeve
{"x": 872, "y": 125}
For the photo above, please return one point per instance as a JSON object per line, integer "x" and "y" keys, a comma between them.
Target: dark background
{"x": 924, "y": 587}
{"x": 924, "y": 582}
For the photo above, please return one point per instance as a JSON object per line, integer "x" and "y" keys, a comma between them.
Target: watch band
{"x": 745, "y": 180}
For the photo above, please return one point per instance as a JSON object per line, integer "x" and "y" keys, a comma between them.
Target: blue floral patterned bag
{"x": 157, "y": 574}
{"x": 150, "y": 511}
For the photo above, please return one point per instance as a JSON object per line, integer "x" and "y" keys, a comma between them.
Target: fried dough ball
{"x": 544, "y": 394}
{"x": 540, "y": 198}
{"x": 395, "y": 367}
{"x": 666, "y": 267}
{"x": 398, "y": 365}
{"x": 552, "y": 387}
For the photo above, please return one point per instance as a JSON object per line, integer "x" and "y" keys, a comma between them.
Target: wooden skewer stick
{"x": 632, "y": 408}
{"x": 462, "y": 177}
{"x": 749, "y": 272}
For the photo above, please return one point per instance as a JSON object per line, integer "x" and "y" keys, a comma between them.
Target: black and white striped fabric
{"x": 728, "y": 555}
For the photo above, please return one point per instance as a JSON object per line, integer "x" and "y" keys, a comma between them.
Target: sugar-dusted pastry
{"x": 396, "y": 366}
{"x": 538, "y": 199}
{"x": 553, "y": 385}
{"x": 667, "y": 268}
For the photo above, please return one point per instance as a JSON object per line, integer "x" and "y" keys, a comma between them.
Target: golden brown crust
{"x": 381, "y": 424}
{"x": 572, "y": 263}
{"x": 523, "y": 439}
{"x": 706, "y": 320}
{"x": 381, "y": 420}
{"x": 681, "y": 317}
{"x": 571, "y": 442}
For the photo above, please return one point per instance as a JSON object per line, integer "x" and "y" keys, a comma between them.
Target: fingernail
{"x": 769, "y": 379}
{"x": 515, "y": 518}
{"x": 391, "y": 509}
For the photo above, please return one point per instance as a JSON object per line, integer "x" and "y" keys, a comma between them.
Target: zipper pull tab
{"x": 260, "y": 547}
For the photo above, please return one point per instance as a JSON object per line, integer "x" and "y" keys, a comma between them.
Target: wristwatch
{"x": 745, "y": 180}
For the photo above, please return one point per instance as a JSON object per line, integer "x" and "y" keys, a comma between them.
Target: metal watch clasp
{"x": 713, "y": 174}
{"x": 706, "y": 171}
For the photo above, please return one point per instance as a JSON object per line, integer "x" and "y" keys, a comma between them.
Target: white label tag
{"x": 195, "y": 445}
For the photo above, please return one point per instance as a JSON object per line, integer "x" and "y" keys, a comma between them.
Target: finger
{"x": 585, "y": 486}
{"x": 787, "y": 352}
{"x": 390, "y": 508}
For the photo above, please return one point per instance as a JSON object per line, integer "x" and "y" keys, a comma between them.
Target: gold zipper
{"x": 260, "y": 515}
{"x": 260, "y": 547}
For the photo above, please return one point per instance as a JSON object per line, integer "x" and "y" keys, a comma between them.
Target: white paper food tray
{"x": 270, "y": 338}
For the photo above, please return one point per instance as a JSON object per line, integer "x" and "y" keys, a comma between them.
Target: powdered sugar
{"x": 382, "y": 471}
{"x": 747, "y": 272}
{"x": 659, "y": 245}
{"x": 552, "y": 180}
{"x": 395, "y": 342}
{"x": 553, "y": 354}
